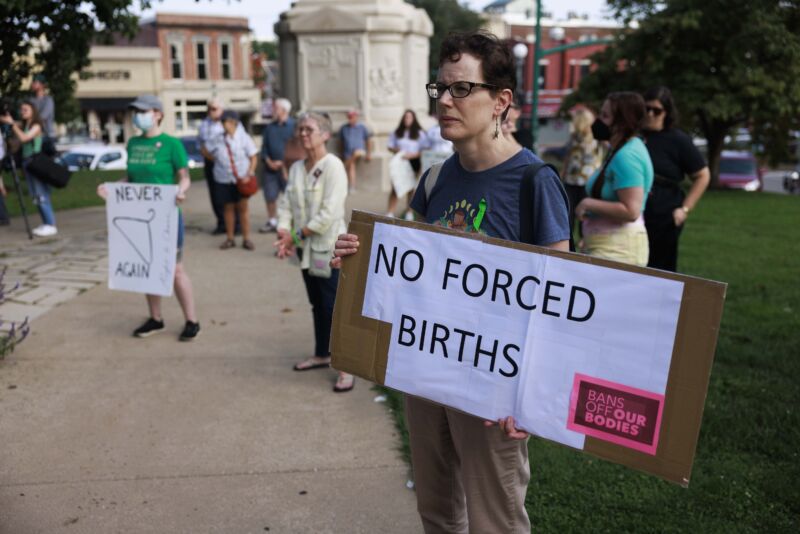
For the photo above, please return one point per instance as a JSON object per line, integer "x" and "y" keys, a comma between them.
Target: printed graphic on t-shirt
{"x": 460, "y": 216}
{"x": 143, "y": 154}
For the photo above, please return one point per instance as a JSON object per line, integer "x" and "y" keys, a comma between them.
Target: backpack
{"x": 526, "y": 199}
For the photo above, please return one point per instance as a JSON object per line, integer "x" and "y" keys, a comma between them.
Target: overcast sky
{"x": 264, "y": 13}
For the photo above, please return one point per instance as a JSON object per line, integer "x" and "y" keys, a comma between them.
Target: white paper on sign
{"x": 142, "y": 224}
{"x": 495, "y": 331}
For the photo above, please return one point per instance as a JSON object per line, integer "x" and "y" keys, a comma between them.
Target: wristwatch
{"x": 685, "y": 210}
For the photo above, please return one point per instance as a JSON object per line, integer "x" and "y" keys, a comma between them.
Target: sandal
{"x": 247, "y": 244}
{"x": 311, "y": 363}
{"x": 229, "y": 243}
{"x": 344, "y": 383}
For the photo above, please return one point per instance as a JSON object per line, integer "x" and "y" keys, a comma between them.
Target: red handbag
{"x": 247, "y": 186}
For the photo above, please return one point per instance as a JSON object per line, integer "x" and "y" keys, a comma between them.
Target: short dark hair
{"x": 664, "y": 95}
{"x": 627, "y": 112}
{"x": 497, "y": 62}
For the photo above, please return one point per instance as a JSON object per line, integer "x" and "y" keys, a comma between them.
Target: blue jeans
{"x": 40, "y": 193}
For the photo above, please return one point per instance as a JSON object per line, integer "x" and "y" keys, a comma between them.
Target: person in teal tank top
{"x": 611, "y": 215}
{"x": 30, "y": 134}
{"x": 157, "y": 158}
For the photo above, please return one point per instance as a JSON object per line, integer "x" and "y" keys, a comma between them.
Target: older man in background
{"x": 356, "y": 143}
{"x": 276, "y": 135}
{"x": 210, "y": 128}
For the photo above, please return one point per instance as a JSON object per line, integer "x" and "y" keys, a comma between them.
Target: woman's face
{"x": 606, "y": 115}
{"x": 408, "y": 119}
{"x": 654, "y": 119}
{"x": 310, "y": 134}
{"x": 473, "y": 116}
{"x": 26, "y": 112}
{"x": 230, "y": 126}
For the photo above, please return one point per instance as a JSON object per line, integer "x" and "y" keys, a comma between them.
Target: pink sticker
{"x": 620, "y": 414}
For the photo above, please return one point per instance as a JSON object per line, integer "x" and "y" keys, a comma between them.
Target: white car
{"x": 95, "y": 157}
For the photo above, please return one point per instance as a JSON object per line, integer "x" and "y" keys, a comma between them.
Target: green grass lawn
{"x": 746, "y": 475}
{"x": 79, "y": 193}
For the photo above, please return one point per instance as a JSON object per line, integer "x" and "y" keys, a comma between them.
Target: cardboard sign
{"x": 142, "y": 237}
{"x": 600, "y": 356}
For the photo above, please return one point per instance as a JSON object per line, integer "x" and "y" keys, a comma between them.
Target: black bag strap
{"x": 527, "y": 220}
{"x": 597, "y": 187}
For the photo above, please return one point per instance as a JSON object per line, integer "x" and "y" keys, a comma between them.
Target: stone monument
{"x": 370, "y": 55}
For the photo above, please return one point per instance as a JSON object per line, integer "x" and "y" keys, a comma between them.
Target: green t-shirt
{"x": 631, "y": 167}
{"x": 34, "y": 146}
{"x": 155, "y": 160}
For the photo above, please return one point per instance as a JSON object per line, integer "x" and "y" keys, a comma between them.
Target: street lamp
{"x": 520, "y": 53}
{"x": 557, "y": 34}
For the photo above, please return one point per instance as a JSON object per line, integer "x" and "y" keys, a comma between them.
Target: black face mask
{"x": 600, "y": 130}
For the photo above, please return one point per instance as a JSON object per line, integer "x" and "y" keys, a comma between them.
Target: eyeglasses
{"x": 306, "y": 129}
{"x": 458, "y": 89}
{"x": 213, "y": 108}
{"x": 654, "y": 110}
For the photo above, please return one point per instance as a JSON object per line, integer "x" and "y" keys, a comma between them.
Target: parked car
{"x": 739, "y": 170}
{"x": 791, "y": 181}
{"x": 95, "y": 157}
{"x": 192, "y": 146}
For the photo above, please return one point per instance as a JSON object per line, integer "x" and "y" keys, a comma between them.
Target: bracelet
{"x": 297, "y": 240}
{"x": 685, "y": 210}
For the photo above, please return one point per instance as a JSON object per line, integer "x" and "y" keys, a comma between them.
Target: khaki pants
{"x": 468, "y": 478}
{"x": 627, "y": 244}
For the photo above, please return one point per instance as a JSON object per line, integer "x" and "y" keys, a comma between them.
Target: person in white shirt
{"x": 235, "y": 158}
{"x": 408, "y": 139}
{"x": 210, "y": 128}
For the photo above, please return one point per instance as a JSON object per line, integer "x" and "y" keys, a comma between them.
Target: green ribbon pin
{"x": 476, "y": 222}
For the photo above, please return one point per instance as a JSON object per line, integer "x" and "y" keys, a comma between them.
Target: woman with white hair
{"x": 310, "y": 216}
{"x": 584, "y": 156}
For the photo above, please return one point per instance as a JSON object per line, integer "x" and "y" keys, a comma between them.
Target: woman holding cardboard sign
{"x": 310, "y": 216}
{"x": 472, "y": 475}
{"x": 157, "y": 158}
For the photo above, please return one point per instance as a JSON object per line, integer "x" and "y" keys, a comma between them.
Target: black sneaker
{"x": 190, "y": 331}
{"x": 150, "y": 327}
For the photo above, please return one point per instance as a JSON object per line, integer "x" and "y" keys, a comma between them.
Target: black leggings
{"x": 663, "y": 236}
{"x": 321, "y": 295}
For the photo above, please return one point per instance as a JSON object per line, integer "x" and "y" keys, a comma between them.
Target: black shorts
{"x": 416, "y": 164}
{"x": 228, "y": 193}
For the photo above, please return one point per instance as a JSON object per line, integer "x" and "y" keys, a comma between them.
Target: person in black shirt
{"x": 674, "y": 156}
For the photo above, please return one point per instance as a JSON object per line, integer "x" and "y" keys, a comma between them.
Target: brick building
{"x": 184, "y": 59}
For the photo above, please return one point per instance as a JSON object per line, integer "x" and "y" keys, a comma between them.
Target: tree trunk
{"x": 714, "y": 132}
{"x": 715, "y": 139}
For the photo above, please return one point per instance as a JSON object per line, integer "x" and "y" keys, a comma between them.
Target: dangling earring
{"x": 496, "y": 127}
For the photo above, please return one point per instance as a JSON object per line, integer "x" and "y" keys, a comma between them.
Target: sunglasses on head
{"x": 654, "y": 110}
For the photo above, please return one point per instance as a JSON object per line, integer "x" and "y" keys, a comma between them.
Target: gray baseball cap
{"x": 146, "y": 103}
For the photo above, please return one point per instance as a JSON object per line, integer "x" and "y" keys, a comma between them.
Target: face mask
{"x": 600, "y": 130}
{"x": 144, "y": 121}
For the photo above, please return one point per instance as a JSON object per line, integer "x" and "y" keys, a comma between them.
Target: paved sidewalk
{"x": 105, "y": 433}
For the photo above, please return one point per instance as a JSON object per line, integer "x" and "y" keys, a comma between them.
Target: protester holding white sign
{"x": 471, "y": 475}
{"x": 157, "y": 158}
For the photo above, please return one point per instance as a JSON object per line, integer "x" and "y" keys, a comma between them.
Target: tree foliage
{"x": 53, "y": 38}
{"x": 447, "y": 16}
{"x": 729, "y": 63}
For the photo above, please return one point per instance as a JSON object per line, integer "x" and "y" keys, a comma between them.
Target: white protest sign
{"x": 568, "y": 348}
{"x": 142, "y": 237}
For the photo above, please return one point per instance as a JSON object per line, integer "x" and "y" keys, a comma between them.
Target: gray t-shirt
{"x": 47, "y": 112}
{"x": 455, "y": 200}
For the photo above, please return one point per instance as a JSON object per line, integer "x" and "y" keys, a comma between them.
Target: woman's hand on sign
{"x": 285, "y": 244}
{"x": 102, "y": 191}
{"x": 508, "y": 427}
{"x": 346, "y": 245}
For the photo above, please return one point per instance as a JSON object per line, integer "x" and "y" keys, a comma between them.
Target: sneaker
{"x": 268, "y": 228}
{"x": 150, "y": 327}
{"x": 409, "y": 215}
{"x": 190, "y": 331}
{"x": 45, "y": 230}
